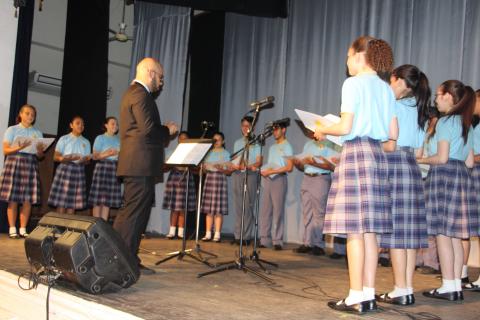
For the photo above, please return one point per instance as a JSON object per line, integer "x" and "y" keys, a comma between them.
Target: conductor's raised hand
{"x": 172, "y": 127}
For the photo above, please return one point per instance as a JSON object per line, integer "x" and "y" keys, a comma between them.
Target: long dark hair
{"x": 416, "y": 81}
{"x": 463, "y": 103}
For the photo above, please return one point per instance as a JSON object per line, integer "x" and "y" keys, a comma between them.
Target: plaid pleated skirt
{"x": 451, "y": 201}
{"x": 408, "y": 202}
{"x": 215, "y": 198}
{"x": 475, "y": 232}
{"x": 68, "y": 187}
{"x": 359, "y": 198}
{"x": 175, "y": 190}
{"x": 20, "y": 179}
{"x": 106, "y": 189}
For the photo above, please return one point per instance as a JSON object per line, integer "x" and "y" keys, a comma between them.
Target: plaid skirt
{"x": 215, "y": 198}
{"x": 359, "y": 198}
{"x": 451, "y": 201}
{"x": 68, "y": 187}
{"x": 175, "y": 190}
{"x": 106, "y": 189}
{"x": 408, "y": 202}
{"x": 20, "y": 179}
{"x": 475, "y": 217}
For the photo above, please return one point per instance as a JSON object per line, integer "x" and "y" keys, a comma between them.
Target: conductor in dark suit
{"x": 142, "y": 141}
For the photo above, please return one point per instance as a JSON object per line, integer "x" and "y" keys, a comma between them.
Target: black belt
{"x": 316, "y": 174}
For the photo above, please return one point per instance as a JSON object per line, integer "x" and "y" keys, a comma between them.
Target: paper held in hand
{"x": 312, "y": 120}
{"x": 270, "y": 166}
{"x": 34, "y": 142}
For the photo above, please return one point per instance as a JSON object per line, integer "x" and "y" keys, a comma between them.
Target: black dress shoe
{"x": 336, "y": 256}
{"x": 465, "y": 280}
{"x": 427, "y": 270}
{"x": 450, "y": 296}
{"x": 302, "y": 249}
{"x": 262, "y": 246}
{"x": 384, "y": 262}
{"x": 317, "y": 251}
{"x": 471, "y": 287}
{"x": 358, "y": 308}
{"x": 277, "y": 247}
{"x": 401, "y": 300}
{"x": 460, "y": 295}
{"x": 145, "y": 270}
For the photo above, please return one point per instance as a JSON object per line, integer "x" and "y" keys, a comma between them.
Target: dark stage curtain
{"x": 85, "y": 66}
{"x": 206, "y": 63}
{"x": 22, "y": 61}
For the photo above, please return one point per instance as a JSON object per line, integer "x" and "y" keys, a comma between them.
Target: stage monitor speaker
{"x": 83, "y": 249}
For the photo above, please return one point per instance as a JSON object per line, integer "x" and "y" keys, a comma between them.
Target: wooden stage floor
{"x": 301, "y": 287}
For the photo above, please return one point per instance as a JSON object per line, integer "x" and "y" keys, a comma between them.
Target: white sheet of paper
{"x": 189, "y": 153}
{"x": 311, "y": 120}
{"x": 32, "y": 148}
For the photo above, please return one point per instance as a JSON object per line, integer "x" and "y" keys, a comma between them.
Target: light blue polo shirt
{"x": 410, "y": 134}
{"x": 450, "y": 129}
{"x": 253, "y": 150}
{"x": 70, "y": 144}
{"x": 20, "y": 131}
{"x": 278, "y": 152}
{"x": 217, "y": 156}
{"x": 316, "y": 148}
{"x": 372, "y": 102}
{"x": 104, "y": 142}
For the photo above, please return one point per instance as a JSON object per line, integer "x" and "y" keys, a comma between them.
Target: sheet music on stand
{"x": 190, "y": 152}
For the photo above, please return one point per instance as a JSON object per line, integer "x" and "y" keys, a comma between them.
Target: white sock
{"x": 464, "y": 271}
{"x": 172, "y": 230}
{"x": 409, "y": 290}
{"x": 447, "y": 286}
{"x": 217, "y": 235}
{"x": 477, "y": 282}
{"x": 354, "y": 296}
{"x": 180, "y": 232}
{"x": 368, "y": 293}
{"x": 398, "y": 292}
{"x": 458, "y": 284}
{"x": 22, "y": 231}
{"x": 12, "y": 230}
{"x": 208, "y": 234}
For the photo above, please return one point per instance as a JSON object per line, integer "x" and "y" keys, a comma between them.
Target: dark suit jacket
{"x": 142, "y": 136}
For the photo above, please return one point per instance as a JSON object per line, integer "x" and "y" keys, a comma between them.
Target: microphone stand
{"x": 239, "y": 263}
{"x": 255, "y": 256}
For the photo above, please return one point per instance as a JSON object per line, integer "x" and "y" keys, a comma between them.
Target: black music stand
{"x": 188, "y": 154}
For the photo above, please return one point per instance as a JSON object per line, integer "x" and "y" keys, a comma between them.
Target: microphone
{"x": 263, "y": 101}
{"x": 208, "y": 124}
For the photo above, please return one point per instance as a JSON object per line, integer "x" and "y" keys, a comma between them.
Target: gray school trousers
{"x": 272, "y": 211}
{"x": 237, "y": 187}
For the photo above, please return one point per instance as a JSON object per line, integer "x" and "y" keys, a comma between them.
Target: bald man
{"x": 142, "y": 141}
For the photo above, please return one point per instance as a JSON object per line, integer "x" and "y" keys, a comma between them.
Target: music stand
{"x": 189, "y": 153}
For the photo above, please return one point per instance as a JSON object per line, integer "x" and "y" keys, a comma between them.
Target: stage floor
{"x": 301, "y": 287}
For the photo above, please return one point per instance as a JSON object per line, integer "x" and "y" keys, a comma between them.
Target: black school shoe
{"x": 405, "y": 300}
{"x": 317, "y": 251}
{"x": 357, "y": 308}
{"x": 302, "y": 249}
{"x": 450, "y": 296}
